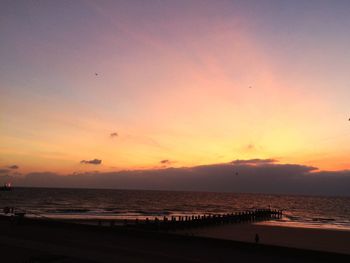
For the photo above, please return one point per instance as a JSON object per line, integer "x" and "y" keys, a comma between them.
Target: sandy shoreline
{"x": 329, "y": 240}
{"x": 48, "y": 241}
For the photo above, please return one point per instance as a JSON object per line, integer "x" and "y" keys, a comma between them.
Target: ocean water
{"x": 299, "y": 211}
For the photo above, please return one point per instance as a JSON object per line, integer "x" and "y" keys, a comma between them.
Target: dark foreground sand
{"x": 34, "y": 241}
{"x": 305, "y": 238}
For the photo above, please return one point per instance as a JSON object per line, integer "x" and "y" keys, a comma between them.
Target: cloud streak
{"x": 93, "y": 161}
{"x": 254, "y": 162}
{"x": 166, "y": 162}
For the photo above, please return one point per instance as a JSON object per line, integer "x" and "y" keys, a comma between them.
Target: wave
{"x": 152, "y": 213}
{"x": 293, "y": 218}
{"x": 321, "y": 219}
{"x": 69, "y": 211}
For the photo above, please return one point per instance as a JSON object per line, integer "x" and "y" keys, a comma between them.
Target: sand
{"x": 305, "y": 238}
{"x": 44, "y": 241}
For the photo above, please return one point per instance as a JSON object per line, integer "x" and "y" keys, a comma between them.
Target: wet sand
{"x": 305, "y": 238}
{"x": 47, "y": 241}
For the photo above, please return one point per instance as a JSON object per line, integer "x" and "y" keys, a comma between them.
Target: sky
{"x": 109, "y": 86}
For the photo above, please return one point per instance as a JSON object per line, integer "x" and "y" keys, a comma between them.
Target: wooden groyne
{"x": 184, "y": 222}
{"x": 164, "y": 223}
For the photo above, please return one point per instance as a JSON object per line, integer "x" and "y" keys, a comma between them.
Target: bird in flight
{"x": 96, "y": 74}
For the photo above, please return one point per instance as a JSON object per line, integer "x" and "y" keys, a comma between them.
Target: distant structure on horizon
{"x": 6, "y": 187}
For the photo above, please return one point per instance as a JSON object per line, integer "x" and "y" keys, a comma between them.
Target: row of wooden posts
{"x": 182, "y": 222}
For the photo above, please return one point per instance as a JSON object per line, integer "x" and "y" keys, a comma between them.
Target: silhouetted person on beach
{"x": 257, "y": 238}
{"x": 7, "y": 210}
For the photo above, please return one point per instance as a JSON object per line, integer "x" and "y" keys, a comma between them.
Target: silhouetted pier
{"x": 184, "y": 222}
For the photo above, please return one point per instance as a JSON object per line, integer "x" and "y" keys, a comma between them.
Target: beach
{"x": 317, "y": 239}
{"x": 50, "y": 241}
{"x": 91, "y": 225}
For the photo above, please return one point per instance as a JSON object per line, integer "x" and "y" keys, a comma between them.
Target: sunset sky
{"x": 153, "y": 84}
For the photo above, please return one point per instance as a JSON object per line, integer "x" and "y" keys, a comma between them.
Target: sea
{"x": 108, "y": 204}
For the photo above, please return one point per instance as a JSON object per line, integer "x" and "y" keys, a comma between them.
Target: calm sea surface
{"x": 299, "y": 211}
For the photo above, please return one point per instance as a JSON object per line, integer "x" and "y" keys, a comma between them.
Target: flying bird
{"x": 96, "y": 74}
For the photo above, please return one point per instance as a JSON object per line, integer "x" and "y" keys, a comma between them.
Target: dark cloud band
{"x": 244, "y": 176}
